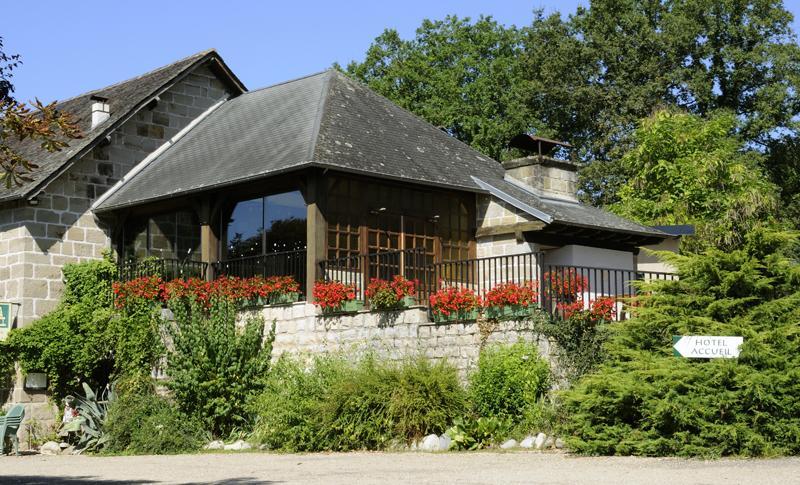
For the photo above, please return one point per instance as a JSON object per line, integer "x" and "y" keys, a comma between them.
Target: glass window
{"x": 175, "y": 235}
{"x": 267, "y": 224}
{"x": 245, "y": 229}
{"x": 284, "y": 222}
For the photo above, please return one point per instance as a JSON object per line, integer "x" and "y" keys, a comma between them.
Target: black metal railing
{"x": 566, "y": 288}
{"x": 413, "y": 264}
{"x": 482, "y": 274}
{"x": 167, "y": 269}
{"x": 285, "y": 263}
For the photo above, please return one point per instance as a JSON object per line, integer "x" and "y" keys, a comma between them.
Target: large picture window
{"x": 270, "y": 224}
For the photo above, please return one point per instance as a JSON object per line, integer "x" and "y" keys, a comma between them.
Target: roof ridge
{"x": 197, "y": 55}
{"x": 321, "y": 107}
{"x": 318, "y": 73}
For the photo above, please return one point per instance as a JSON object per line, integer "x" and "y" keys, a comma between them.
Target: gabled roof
{"x": 125, "y": 99}
{"x": 329, "y": 120}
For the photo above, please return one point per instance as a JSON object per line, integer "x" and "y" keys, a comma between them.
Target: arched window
{"x": 270, "y": 224}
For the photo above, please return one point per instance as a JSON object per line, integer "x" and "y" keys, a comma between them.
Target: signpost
{"x": 706, "y": 346}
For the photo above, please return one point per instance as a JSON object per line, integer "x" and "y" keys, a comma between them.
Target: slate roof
{"x": 124, "y": 98}
{"x": 329, "y": 120}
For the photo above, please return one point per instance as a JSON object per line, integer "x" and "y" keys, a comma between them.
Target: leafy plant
{"x": 388, "y": 295}
{"x": 214, "y": 367}
{"x": 475, "y": 434}
{"x": 335, "y": 404}
{"x": 509, "y": 381}
{"x": 90, "y": 424}
{"x": 512, "y": 294}
{"x": 145, "y": 423}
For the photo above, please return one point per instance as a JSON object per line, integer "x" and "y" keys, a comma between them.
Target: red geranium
{"x": 512, "y": 294}
{"x": 565, "y": 285}
{"x": 453, "y": 300}
{"x": 601, "y": 309}
{"x": 146, "y": 288}
{"x": 332, "y": 294}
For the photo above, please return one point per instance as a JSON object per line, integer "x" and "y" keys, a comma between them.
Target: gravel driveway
{"x": 385, "y": 468}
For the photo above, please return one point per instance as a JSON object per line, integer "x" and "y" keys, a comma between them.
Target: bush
{"x": 339, "y": 405}
{"x": 509, "y": 381}
{"x": 214, "y": 367}
{"x": 150, "y": 424}
{"x": 644, "y": 401}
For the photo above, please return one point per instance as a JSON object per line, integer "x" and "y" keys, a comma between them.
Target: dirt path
{"x": 386, "y": 468}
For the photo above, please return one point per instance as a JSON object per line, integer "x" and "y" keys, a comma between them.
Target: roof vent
{"x": 100, "y": 110}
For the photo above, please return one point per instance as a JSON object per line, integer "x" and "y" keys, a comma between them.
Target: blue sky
{"x": 72, "y": 47}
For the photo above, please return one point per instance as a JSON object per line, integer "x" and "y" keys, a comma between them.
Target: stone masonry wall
{"x": 301, "y": 329}
{"x": 36, "y": 241}
{"x": 494, "y": 212}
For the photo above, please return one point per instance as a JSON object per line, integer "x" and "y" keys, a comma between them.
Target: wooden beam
{"x": 316, "y": 231}
{"x": 518, "y": 227}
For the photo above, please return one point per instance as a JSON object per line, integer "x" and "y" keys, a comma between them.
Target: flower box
{"x": 349, "y": 306}
{"x": 508, "y": 312}
{"x": 459, "y": 316}
{"x": 284, "y": 298}
{"x": 408, "y": 301}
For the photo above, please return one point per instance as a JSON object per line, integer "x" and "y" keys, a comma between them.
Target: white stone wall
{"x": 36, "y": 241}
{"x": 301, "y": 329}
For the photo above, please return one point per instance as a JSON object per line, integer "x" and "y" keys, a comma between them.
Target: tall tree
{"x": 457, "y": 74}
{"x": 43, "y": 124}
{"x": 691, "y": 170}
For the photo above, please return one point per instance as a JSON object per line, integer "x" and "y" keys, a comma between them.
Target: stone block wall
{"x": 37, "y": 240}
{"x": 493, "y": 212}
{"x": 301, "y": 329}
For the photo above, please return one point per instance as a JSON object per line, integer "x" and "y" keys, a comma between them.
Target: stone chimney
{"x": 546, "y": 173}
{"x": 100, "y": 110}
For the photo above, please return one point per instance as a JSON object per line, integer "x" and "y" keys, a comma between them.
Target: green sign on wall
{"x": 6, "y": 319}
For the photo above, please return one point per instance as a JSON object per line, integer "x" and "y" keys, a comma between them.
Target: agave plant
{"x": 89, "y": 424}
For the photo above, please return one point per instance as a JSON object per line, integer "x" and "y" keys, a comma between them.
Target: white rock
{"x": 430, "y": 443}
{"x": 527, "y": 442}
{"x": 512, "y": 443}
{"x": 560, "y": 443}
{"x": 538, "y": 442}
{"x": 444, "y": 442}
{"x": 215, "y": 445}
{"x": 549, "y": 443}
{"x": 50, "y": 448}
{"x": 238, "y": 445}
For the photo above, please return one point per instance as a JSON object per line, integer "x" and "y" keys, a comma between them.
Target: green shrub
{"x": 287, "y": 411}
{"x": 84, "y": 339}
{"x": 509, "y": 382}
{"x": 644, "y": 401}
{"x": 214, "y": 367}
{"x": 152, "y": 425}
{"x": 378, "y": 403}
{"x": 579, "y": 341}
{"x": 339, "y": 405}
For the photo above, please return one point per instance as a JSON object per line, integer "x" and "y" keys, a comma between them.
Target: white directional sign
{"x": 706, "y": 346}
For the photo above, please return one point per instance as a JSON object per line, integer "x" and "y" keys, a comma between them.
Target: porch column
{"x": 209, "y": 239}
{"x": 316, "y": 229}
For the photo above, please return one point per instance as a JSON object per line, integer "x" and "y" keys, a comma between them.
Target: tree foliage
{"x": 690, "y": 170}
{"x": 590, "y": 77}
{"x": 43, "y": 124}
{"x": 644, "y": 401}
